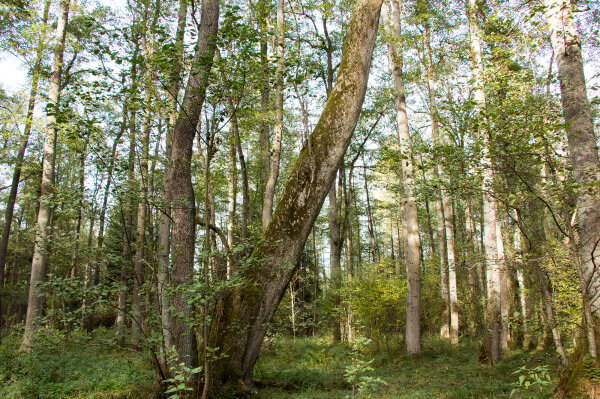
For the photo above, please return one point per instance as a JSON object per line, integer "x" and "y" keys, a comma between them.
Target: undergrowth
{"x": 80, "y": 366}
{"x": 74, "y": 366}
{"x": 311, "y": 368}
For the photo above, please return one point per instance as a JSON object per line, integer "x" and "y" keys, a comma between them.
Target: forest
{"x": 299, "y": 199}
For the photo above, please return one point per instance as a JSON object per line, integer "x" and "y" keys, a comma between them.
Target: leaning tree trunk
{"x": 38, "y": 264}
{"x": 583, "y": 151}
{"x": 413, "y": 245}
{"x": 491, "y": 343}
{"x": 180, "y": 185}
{"x": 243, "y": 315}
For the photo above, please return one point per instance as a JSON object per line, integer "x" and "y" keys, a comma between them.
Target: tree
{"x": 491, "y": 345}
{"x": 412, "y": 240}
{"x": 180, "y": 186}
{"x": 583, "y": 151}
{"x": 38, "y": 265}
{"x": 244, "y": 313}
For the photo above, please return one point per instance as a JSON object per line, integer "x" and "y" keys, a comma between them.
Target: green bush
{"x": 377, "y": 301}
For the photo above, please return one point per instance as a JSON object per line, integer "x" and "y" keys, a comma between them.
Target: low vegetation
{"x": 89, "y": 366}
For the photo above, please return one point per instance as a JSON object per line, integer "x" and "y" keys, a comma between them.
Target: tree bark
{"x": 413, "y": 245}
{"x": 267, "y": 211}
{"x": 164, "y": 235}
{"x": 583, "y": 151}
{"x": 180, "y": 185}
{"x": 491, "y": 343}
{"x": 452, "y": 286}
{"x": 38, "y": 264}
{"x": 335, "y": 253}
{"x": 276, "y": 256}
{"x": 441, "y": 231}
{"x": 504, "y": 287}
{"x": 447, "y": 257}
{"x": 264, "y": 142}
{"x": 12, "y": 196}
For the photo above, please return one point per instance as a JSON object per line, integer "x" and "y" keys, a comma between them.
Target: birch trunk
{"x": 447, "y": 256}
{"x": 441, "y": 231}
{"x": 12, "y": 196}
{"x": 38, "y": 264}
{"x": 267, "y": 212}
{"x": 231, "y": 184}
{"x": 491, "y": 343}
{"x": 452, "y": 286}
{"x": 413, "y": 255}
{"x": 265, "y": 154}
{"x": 521, "y": 282}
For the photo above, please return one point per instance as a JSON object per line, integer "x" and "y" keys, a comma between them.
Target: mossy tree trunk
{"x": 583, "y": 153}
{"x": 242, "y": 316}
{"x": 581, "y": 137}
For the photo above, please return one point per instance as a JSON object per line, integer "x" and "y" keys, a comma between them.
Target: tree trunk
{"x": 140, "y": 256}
{"x": 544, "y": 284}
{"x": 452, "y": 286}
{"x": 245, "y": 189}
{"x": 491, "y": 343}
{"x": 164, "y": 235}
{"x": 413, "y": 255}
{"x": 447, "y": 257}
{"x": 441, "y": 230}
{"x": 102, "y": 217}
{"x": 180, "y": 185}
{"x": 521, "y": 282}
{"x": 12, "y": 196}
{"x": 370, "y": 222}
{"x": 38, "y": 264}
{"x": 265, "y": 154}
{"x": 504, "y": 288}
{"x": 127, "y": 209}
{"x": 267, "y": 211}
{"x": 231, "y": 184}
{"x": 277, "y": 255}
{"x": 583, "y": 151}
{"x": 335, "y": 253}
{"x": 81, "y": 189}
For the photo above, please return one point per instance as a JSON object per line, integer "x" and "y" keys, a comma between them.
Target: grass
{"x": 78, "y": 367}
{"x": 310, "y": 368}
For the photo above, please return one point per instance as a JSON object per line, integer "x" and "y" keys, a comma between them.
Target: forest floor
{"x": 311, "y": 368}
{"x": 82, "y": 367}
